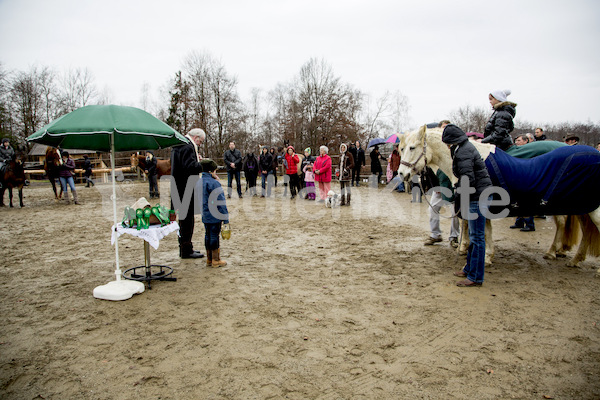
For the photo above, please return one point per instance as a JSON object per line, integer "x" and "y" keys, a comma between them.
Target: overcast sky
{"x": 440, "y": 54}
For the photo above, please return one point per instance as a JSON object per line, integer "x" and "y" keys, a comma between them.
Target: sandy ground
{"x": 314, "y": 304}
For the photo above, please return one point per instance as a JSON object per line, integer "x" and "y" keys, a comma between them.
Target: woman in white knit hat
{"x": 498, "y": 128}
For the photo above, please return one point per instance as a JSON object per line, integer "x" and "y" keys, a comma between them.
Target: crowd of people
{"x": 311, "y": 177}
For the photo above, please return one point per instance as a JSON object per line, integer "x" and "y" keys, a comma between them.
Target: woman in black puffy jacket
{"x": 498, "y": 128}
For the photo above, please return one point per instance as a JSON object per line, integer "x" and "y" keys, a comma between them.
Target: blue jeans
{"x": 267, "y": 183}
{"x": 64, "y": 181}
{"x": 230, "y": 175}
{"x": 211, "y": 236}
{"x": 476, "y": 253}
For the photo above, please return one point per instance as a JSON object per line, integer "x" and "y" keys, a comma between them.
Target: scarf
{"x": 198, "y": 156}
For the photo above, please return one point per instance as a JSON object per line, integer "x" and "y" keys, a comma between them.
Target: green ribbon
{"x": 147, "y": 214}
{"x": 141, "y": 217}
{"x": 128, "y": 218}
{"x": 162, "y": 213}
{"x": 139, "y": 213}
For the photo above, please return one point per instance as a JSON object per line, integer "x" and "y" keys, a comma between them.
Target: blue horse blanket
{"x": 565, "y": 181}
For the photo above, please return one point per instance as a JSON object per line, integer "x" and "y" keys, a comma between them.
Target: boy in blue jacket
{"x": 214, "y": 213}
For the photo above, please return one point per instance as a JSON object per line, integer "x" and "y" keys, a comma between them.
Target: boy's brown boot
{"x": 209, "y": 258}
{"x": 217, "y": 262}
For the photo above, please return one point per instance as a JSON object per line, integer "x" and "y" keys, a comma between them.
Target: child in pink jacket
{"x": 309, "y": 178}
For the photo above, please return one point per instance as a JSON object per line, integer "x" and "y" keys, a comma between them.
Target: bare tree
{"x": 316, "y": 108}
{"x": 400, "y": 112}
{"x": 27, "y": 102}
{"x": 376, "y": 119}
{"x": 470, "y": 119}
{"x": 254, "y": 121}
{"x": 77, "y": 89}
{"x": 145, "y": 96}
{"x": 5, "y": 106}
{"x": 204, "y": 95}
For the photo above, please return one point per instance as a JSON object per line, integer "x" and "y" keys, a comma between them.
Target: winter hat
{"x": 501, "y": 95}
{"x": 64, "y": 153}
{"x": 208, "y": 165}
{"x": 5, "y": 140}
{"x": 307, "y": 150}
{"x": 453, "y": 135}
{"x": 344, "y": 146}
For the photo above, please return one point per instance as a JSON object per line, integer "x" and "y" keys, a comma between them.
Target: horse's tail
{"x": 591, "y": 234}
{"x": 571, "y": 234}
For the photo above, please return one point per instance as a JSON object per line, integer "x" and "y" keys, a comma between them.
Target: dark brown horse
{"x": 12, "y": 176}
{"x": 51, "y": 166}
{"x": 163, "y": 167}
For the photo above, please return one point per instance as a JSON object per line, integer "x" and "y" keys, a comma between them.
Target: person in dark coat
{"x": 376, "y": 164}
{"x": 352, "y": 150}
{"x": 265, "y": 164}
{"x": 346, "y": 167}
{"x": 500, "y": 125}
{"x": 539, "y": 135}
{"x": 7, "y": 153}
{"x": 275, "y": 166}
{"x": 359, "y": 161}
{"x": 250, "y": 166}
{"x": 87, "y": 168}
{"x": 185, "y": 163}
{"x": 233, "y": 164}
{"x": 152, "y": 173}
{"x": 469, "y": 168}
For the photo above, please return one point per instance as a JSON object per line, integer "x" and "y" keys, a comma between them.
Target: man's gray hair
{"x": 324, "y": 148}
{"x": 197, "y": 132}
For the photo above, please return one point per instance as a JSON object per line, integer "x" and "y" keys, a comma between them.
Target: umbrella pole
{"x": 114, "y": 200}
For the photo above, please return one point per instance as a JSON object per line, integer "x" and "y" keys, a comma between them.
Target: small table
{"x": 152, "y": 237}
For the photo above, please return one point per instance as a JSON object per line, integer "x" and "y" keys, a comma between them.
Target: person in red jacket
{"x": 322, "y": 170}
{"x": 291, "y": 170}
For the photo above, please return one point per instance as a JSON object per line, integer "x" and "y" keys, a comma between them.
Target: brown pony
{"x": 51, "y": 166}
{"x": 163, "y": 167}
{"x": 12, "y": 176}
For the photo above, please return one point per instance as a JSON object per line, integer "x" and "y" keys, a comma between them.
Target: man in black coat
{"x": 185, "y": 163}
{"x": 539, "y": 134}
{"x": 359, "y": 161}
{"x": 233, "y": 164}
{"x": 87, "y": 168}
{"x": 250, "y": 165}
{"x": 469, "y": 168}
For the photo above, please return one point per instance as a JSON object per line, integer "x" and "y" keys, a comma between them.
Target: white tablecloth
{"x": 152, "y": 235}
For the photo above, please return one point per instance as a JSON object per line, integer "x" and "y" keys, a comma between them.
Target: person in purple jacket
{"x": 65, "y": 174}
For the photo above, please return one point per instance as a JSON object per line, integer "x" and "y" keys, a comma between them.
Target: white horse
{"x": 425, "y": 148}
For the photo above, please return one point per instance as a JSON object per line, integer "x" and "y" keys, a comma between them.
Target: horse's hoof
{"x": 572, "y": 264}
{"x": 549, "y": 256}
{"x": 462, "y": 252}
{"x": 561, "y": 255}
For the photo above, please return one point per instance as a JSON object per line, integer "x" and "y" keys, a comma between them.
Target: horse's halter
{"x": 423, "y": 154}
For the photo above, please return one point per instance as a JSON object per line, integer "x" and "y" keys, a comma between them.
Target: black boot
{"x": 190, "y": 253}
{"x": 186, "y": 250}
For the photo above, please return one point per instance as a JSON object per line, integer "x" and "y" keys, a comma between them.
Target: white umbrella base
{"x": 118, "y": 290}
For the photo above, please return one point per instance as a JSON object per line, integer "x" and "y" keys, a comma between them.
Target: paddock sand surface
{"x": 314, "y": 304}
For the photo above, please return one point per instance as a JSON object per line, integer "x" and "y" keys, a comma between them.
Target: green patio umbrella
{"x": 110, "y": 128}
